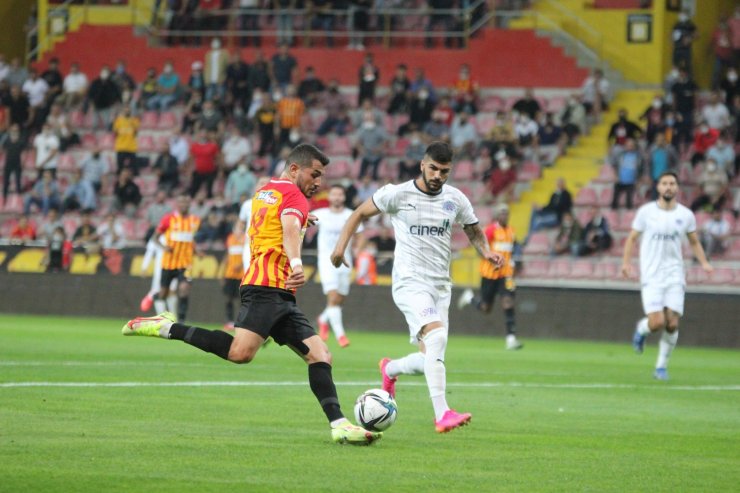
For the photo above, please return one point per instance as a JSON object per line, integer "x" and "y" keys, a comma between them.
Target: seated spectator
{"x": 526, "y": 131}
{"x": 503, "y": 178}
{"x": 365, "y": 189}
{"x": 290, "y": 110}
{"x": 704, "y": 138}
{"x": 200, "y": 205}
{"x": 568, "y": 239}
{"x": 370, "y": 144}
{"x": 283, "y": 66}
{"x": 551, "y": 140}
{"x": 94, "y": 169}
{"x": 167, "y": 170}
{"x": 730, "y": 86}
{"x": 44, "y": 194}
{"x": 265, "y": 118}
{"x": 596, "y": 235}
{"x": 17, "y": 73}
{"x": 59, "y": 251}
{"x": 715, "y": 113}
{"x": 206, "y": 157}
{"x": 104, "y": 96}
{"x": 551, "y": 215}
{"x": 655, "y": 116}
{"x": 148, "y": 87}
{"x": 437, "y": 128}
{"x": 196, "y": 82}
{"x": 79, "y": 195}
{"x": 409, "y": 166}
{"x": 713, "y": 185}
{"x": 156, "y": 211}
{"x": 54, "y": 80}
{"x": 528, "y": 105}
{"x": 629, "y": 166}
{"x": 715, "y": 234}
{"x": 235, "y": 149}
{"x": 126, "y": 193}
{"x": 440, "y": 17}
{"x": 46, "y": 144}
{"x": 111, "y": 233}
{"x": 126, "y": 128}
{"x": 62, "y": 127}
{"x": 180, "y": 148}
{"x": 465, "y": 92}
{"x": 420, "y": 82}
{"x": 193, "y": 112}
{"x": 238, "y": 92}
{"x": 623, "y": 129}
{"x": 19, "y": 109}
{"x": 74, "y": 87}
{"x": 420, "y": 112}
{"x": 399, "y": 89}
{"x": 122, "y": 78}
{"x": 310, "y": 88}
{"x": 35, "y": 89}
{"x": 168, "y": 84}
{"x": 210, "y": 120}
{"x": 337, "y": 120}
{"x": 463, "y": 135}
{"x": 86, "y": 235}
{"x": 723, "y": 154}
{"x": 241, "y": 181}
{"x": 13, "y": 144}
{"x": 23, "y": 231}
{"x": 662, "y": 157}
{"x": 573, "y": 118}
{"x": 213, "y": 230}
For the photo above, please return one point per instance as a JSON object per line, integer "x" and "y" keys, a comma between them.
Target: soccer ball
{"x": 375, "y": 410}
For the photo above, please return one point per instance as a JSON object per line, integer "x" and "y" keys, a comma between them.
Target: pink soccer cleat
{"x": 389, "y": 384}
{"x": 146, "y": 303}
{"x": 451, "y": 420}
{"x": 343, "y": 341}
{"x": 323, "y": 329}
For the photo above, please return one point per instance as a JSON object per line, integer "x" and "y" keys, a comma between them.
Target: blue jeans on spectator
{"x": 336, "y": 125}
{"x": 214, "y": 91}
{"x": 325, "y": 22}
{"x": 161, "y": 102}
{"x": 43, "y": 203}
{"x": 542, "y": 219}
{"x": 370, "y": 163}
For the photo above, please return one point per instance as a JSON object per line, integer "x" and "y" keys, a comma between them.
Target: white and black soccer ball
{"x": 375, "y": 410}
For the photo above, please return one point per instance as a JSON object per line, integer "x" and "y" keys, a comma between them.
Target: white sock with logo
{"x": 334, "y": 314}
{"x": 323, "y": 317}
{"x": 642, "y": 327}
{"x": 665, "y": 348}
{"x": 413, "y": 364}
{"x": 434, "y": 369}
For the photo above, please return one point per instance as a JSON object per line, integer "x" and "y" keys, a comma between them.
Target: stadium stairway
{"x": 581, "y": 164}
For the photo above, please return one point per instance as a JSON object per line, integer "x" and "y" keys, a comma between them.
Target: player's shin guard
{"x": 210, "y": 341}
{"x": 182, "y": 308}
{"x": 322, "y": 386}
{"x": 434, "y": 369}
{"x": 510, "y": 321}
{"x": 412, "y": 364}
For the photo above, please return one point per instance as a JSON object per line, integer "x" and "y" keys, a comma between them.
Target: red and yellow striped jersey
{"x": 179, "y": 232}
{"x": 234, "y": 248}
{"x": 500, "y": 240}
{"x": 290, "y": 111}
{"x": 269, "y": 265}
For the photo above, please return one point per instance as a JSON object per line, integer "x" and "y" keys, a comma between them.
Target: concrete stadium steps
{"x": 545, "y": 65}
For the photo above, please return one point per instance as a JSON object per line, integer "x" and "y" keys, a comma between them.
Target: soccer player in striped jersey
{"x": 268, "y": 305}
{"x": 178, "y": 231}
{"x": 494, "y": 280}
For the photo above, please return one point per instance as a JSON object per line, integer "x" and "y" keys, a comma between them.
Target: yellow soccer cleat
{"x": 147, "y": 326}
{"x": 354, "y": 435}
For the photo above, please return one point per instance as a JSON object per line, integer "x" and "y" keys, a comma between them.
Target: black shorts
{"x": 274, "y": 312}
{"x": 182, "y": 275}
{"x": 490, "y": 287}
{"x": 231, "y": 287}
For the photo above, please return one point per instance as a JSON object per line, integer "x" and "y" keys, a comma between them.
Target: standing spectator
{"x": 126, "y": 127}
{"x": 210, "y": 119}
{"x": 180, "y": 148}
{"x": 44, "y": 194}
{"x": 438, "y": 16}
{"x": 573, "y": 118}
{"x": 52, "y": 222}
{"x": 399, "y": 89}
{"x": 216, "y": 61}
{"x": 196, "y": 83}
{"x": 79, "y": 195}
{"x": 290, "y": 110}
{"x": 551, "y": 215}
{"x": 596, "y": 235}
{"x": 61, "y": 126}
{"x": 259, "y": 73}
{"x": 13, "y": 144}
{"x": 715, "y": 113}
{"x": 370, "y": 146}
{"x": 94, "y": 169}
{"x": 167, "y": 170}
{"x": 463, "y": 135}
{"x": 420, "y": 112}
{"x": 568, "y": 239}
{"x": 628, "y": 165}
{"x": 193, "y": 112}
{"x": 713, "y": 184}
{"x": 20, "y": 110}
{"x": 730, "y": 86}
{"x": 528, "y": 105}
{"x": 47, "y": 150}
{"x": 205, "y": 156}
{"x": 148, "y": 87}
{"x": 311, "y": 88}
{"x": 126, "y": 193}
{"x": 662, "y": 157}
{"x": 503, "y": 178}
{"x": 722, "y": 48}
{"x": 235, "y": 150}
{"x": 23, "y": 231}
{"x": 168, "y": 84}
{"x": 104, "y": 95}
{"x": 284, "y": 20}
{"x": 655, "y": 116}
{"x": 241, "y": 181}
{"x": 266, "y": 116}
{"x": 526, "y": 131}
{"x": 358, "y": 22}
{"x": 684, "y": 101}
{"x": 465, "y": 91}
{"x": 249, "y": 20}
{"x": 54, "y": 79}
{"x": 596, "y": 93}
{"x": 36, "y": 88}
{"x": 734, "y": 23}
{"x": 111, "y": 233}
{"x": 237, "y": 82}
{"x": 122, "y": 78}
{"x": 17, "y": 73}
{"x": 551, "y": 140}
{"x": 623, "y": 129}
{"x": 319, "y": 11}
{"x": 368, "y": 76}
{"x": 715, "y": 234}
{"x": 437, "y": 128}
{"x": 723, "y": 154}
{"x": 74, "y": 87}
{"x": 684, "y": 33}
{"x": 704, "y": 138}
{"x": 283, "y": 66}
{"x": 59, "y": 251}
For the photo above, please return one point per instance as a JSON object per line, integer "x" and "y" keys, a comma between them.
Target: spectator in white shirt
{"x": 75, "y": 87}
{"x": 180, "y": 148}
{"x": 526, "y": 131}
{"x": 235, "y": 149}
{"x": 35, "y": 88}
{"x": 596, "y": 93}
{"x": 111, "y": 233}
{"x": 463, "y": 135}
{"x": 715, "y": 112}
{"x": 715, "y": 233}
{"x": 94, "y": 168}
{"x": 47, "y": 150}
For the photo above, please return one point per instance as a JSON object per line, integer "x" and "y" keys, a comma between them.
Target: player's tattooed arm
{"x": 478, "y": 239}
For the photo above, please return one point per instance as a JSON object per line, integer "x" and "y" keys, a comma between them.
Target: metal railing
{"x": 588, "y": 41}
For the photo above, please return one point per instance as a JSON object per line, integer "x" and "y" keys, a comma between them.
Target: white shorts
{"x": 422, "y": 304}
{"x": 655, "y": 297}
{"x": 333, "y": 279}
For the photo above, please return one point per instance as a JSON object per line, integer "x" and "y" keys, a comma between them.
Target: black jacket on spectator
{"x": 104, "y": 93}
{"x": 19, "y": 109}
{"x": 128, "y": 193}
{"x": 560, "y": 203}
{"x": 527, "y": 106}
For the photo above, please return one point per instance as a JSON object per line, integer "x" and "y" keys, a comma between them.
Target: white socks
{"x": 642, "y": 327}
{"x": 160, "y": 305}
{"x": 172, "y": 302}
{"x": 665, "y": 348}
{"x": 434, "y": 369}
{"x": 324, "y": 318}
{"x": 334, "y": 314}
{"x": 413, "y": 364}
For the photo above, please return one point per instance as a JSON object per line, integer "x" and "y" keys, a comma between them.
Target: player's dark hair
{"x": 440, "y": 152}
{"x": 304, "y": 154}
{"x": 668, "y": 173}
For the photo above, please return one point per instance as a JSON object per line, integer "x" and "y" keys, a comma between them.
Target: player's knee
{"x": 671, "y": 326}
{"x": 656, "y": 323}
{"x": 241, "y": 355}
{"x": 319, "y": 355}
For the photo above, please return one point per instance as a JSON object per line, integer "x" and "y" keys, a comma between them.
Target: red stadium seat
{"x": 560, "y": 268}
{"x": 535, "y": 269}
{"x": 388, "y": 170}
{"x": 606, "y": 174}
{"x": 582, "y": 269}
{"x": 625, "y": 220}
{"x": 13, "y": 203}
{"x": 399, "y": 147}
{"x": 66, "y": 162}
{"x": 606, "y": 270}
{"x": 528, "y": 172}
{"x": 538, "y": 244}
{"x": 167, "y": 121}
{"x": 492, "y": 104}
{"x": 605, "y": 197}
{"x": 89, "y": 141}
{"x": 107, "y": 141}
{"x": 77, "y": 119}
{"x": 340, "y": 146}
{"x": 462, "y": 170}
{"x": 733, "y": 252}
{"x": 148, "y": 120}
{"x": 485, "y": 123}
{"x": 611, "y": 216}
{"x": 146, "y": 143}
{"x": 585, "y": 196}
{"x": 338, "y": 169}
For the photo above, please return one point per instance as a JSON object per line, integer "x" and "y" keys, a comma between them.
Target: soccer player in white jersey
{"x": 422, "y": 212}
{"x": 662, "y": 225}
{"x": 154, "y": 252}
{"x": 334, "y": 281}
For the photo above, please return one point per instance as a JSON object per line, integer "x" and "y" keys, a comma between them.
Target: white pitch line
{"x": 586, "y": 386}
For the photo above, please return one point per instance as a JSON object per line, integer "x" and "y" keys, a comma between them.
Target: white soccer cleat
{"x": 512, "y": 343}
{"x": 465, "y": 299}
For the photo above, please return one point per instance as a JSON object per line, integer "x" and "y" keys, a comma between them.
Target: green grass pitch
{"x": 84, "y": 409}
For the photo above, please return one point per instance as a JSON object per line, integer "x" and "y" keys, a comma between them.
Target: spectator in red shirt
{"x": 205, "y": 155}
{"x": 723, "y": 54}
{"x": 704, "y": 138}
{"x": 23, "y": 231}
{"x": 503, "y": 179}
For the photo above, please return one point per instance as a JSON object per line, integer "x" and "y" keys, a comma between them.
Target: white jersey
{"x": 245, "y": 215}
{"x": 422, "y": 224}
{"x": 662, "y": 232}
{"x": 330, "y": 226}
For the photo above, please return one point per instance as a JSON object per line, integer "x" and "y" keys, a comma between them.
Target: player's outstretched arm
{"x": 699, "y": 251}
{"x": 627, "y": 254}
{"x": 478, "y": 239}
{"x": 366, "y": 210}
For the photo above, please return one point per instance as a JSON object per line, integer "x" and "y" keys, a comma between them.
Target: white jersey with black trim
{"x": 330, "y": 226}
{"x": 422, "y": 223}
{"x": 662, "y": 232}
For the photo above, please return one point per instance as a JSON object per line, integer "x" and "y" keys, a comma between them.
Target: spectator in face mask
{"x": 216, "y": 61}
{"x": 370, "y": 146}
{"x": 623, "y": 129}
{"x": 684, "y": 33}
{"x": 730, "y": 85}
{"x": 94, "y": 168}
{"x": 713, "y": 184}
{"x": 503, "y": 178}
{"x": 168, "y": 83}
{"x": 235, "y": 149}
{"x": 654, "y": 116}
{"x": 704, "y": 138}
{"x": 104, "y": 95}
{"x": 241, "y": 181}
{"x": 408, "y": 167}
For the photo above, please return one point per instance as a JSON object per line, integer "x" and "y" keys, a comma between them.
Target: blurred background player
{"x": 494, "y": 280}
{"x": 178, "y": 229}
{"x": 334, "y": 281}
{"x": 279, "y": 220}
{"x": 662, "y": 225}
{"x": 154, "y": 253}
{"x": 422, "y": 212}
{"x": 233, "y": 270}
{"x": 366, "y": 266}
